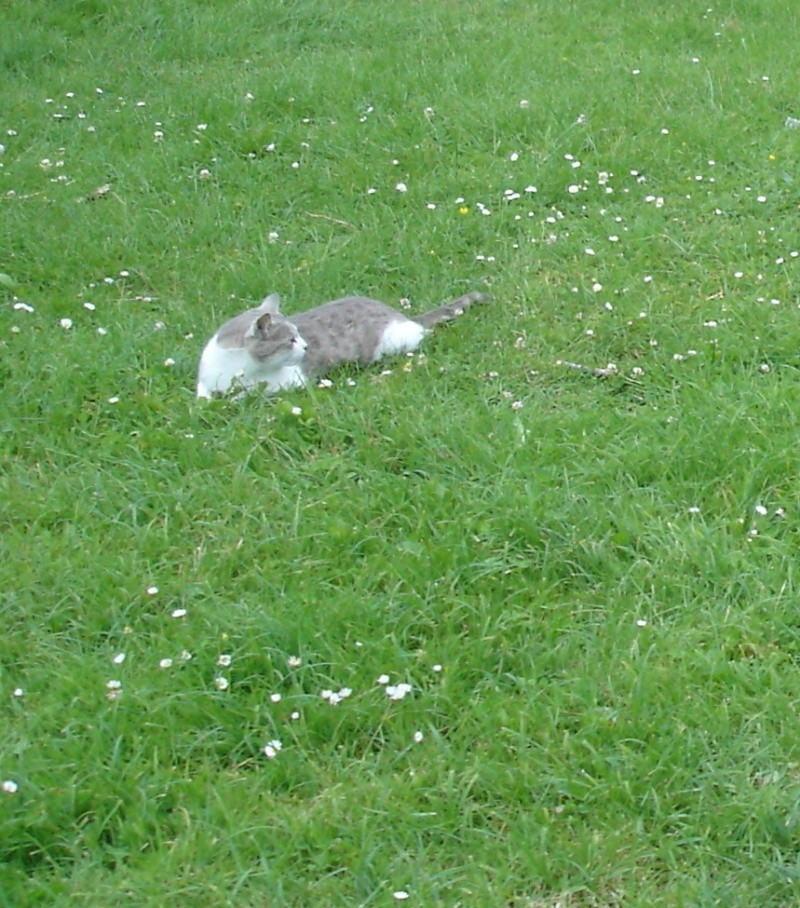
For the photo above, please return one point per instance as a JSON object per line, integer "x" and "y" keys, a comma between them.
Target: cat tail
{"x": 451, "y": 310}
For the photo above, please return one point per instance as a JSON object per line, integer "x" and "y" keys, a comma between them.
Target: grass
{"x": 588, "y": 582}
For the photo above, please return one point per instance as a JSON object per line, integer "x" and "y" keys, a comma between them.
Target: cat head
{"x": 256, "y": 346}
{"x": 272, "y": 338}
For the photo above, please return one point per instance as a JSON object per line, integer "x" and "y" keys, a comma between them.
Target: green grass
{"x": 583, "y": 579}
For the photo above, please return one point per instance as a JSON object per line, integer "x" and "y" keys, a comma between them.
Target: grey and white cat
{"x": 263, "y": 347}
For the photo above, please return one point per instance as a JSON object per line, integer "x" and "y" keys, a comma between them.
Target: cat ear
{"x": 259, "y": 326}
{"x": 271, "y": 303}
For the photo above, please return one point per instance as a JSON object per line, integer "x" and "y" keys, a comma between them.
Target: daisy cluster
{"x": 594, "y": 199}
{"x": 93, "y": 115}
{"x": 589, "y": 215}
{"x": 595, "y": 214}
{"x": 294, "y": 705}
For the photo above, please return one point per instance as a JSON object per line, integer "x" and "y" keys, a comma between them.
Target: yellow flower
{"x": 463, "y": 210}
{"x": 772, "y": 157}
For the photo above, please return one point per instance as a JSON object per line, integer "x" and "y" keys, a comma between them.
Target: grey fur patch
{"x": 348, "y": 330}
{"x": 232, "y": 334}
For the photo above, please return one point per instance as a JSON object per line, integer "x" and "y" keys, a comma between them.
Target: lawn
{"x": 512, "y": 622}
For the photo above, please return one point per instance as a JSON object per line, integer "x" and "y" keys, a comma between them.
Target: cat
{"x": 263, "y": 347}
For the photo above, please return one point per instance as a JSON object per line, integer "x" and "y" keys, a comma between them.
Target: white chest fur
{"x": 222, "y": 368}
